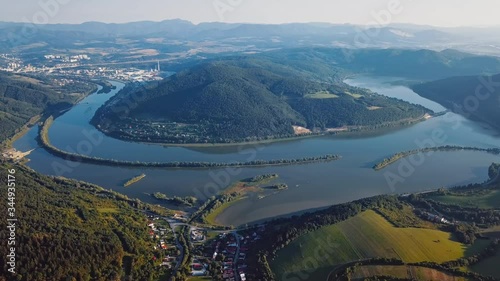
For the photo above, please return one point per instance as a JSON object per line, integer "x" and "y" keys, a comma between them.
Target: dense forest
{"x": 475, "y": 97}
{"x": 421, "y": 64}
{"x": 246, "y": 99}
{"x": 22, "y": 98}
{"x": 68, "y": 230}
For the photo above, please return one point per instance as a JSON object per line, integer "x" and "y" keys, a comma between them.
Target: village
{"x": 214, "y": 254}
{"x": 64, "y": 65}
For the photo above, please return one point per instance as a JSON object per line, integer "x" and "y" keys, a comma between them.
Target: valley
{"x": 225, "y": 151}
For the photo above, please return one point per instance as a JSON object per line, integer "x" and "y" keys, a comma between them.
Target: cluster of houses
{"x": 159, "y": 234}
{"x": 198, "y": 268}
{"x": 67, "y": 58}
{"x": 436, "y": 218}
{"x": 197, "y": 235}
{"x": 227, "y": 247}
{"x": 232, "y": 250}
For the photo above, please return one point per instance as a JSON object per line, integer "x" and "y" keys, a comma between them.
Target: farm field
{"x": 486, "y": 200}
{"x": 367, "y": 235}
{"x": 322, "y": 95}
{"x": 402, "y": 272}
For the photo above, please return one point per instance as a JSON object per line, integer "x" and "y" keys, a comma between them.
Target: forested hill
{"x": 246, "y": 99}
{"x": 423, "y": 65}
{"x": 23, "y": 97}
{"x": 68, "y": 230}
{"x": 475, "y": 97}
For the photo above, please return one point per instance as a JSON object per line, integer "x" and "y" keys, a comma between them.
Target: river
{"x": 311, "y": 186}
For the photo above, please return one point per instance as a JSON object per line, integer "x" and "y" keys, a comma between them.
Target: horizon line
{"x": 252, "y": 23}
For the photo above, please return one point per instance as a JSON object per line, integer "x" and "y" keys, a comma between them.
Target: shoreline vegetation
{"x": 400, "y": 155}
{"x": 327, "y": 132}
{"x": 45, "y": 142}
{"x": 7, "y": 143}
{"x": 209, "y": 212}
{"x": 188, "y": 201}
{"x": 134, "y": 180}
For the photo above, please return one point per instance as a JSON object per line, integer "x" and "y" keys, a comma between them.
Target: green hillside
{"x": 423, "y": 65}
{"x": 68, "y": 230}
{"x": 475, "y": 97}
{"x": 22, "y": 98}
{"x": 403, "y": 272}
{"x": 245, "y": 99}
{"x": 367, "y": 235}
{"x": 484, "y": 199}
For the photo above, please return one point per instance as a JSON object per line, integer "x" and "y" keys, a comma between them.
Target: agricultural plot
{"x": 321, "y": 95}
{"x": 487, "y": 199}
{"x": 403, "y": 272}
{"x": 368, "y": 235}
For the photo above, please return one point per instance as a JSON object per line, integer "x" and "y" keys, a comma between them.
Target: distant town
{"x": 77, "y": 66}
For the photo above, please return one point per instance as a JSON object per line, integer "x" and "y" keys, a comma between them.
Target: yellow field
{"x": 321, "y": 95}
{"x": 367, "y": 235}
{"x": 356, "y": 96}
{"x": 108, "y": 210}
{"x": 403, "y": 272}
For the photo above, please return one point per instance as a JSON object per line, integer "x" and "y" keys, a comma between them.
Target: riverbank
{"x": 6, "y": 144}
{"x": 43, "y": 138}
{"x": 345, "y": 130}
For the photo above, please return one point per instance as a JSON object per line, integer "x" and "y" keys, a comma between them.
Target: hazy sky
{"x": 430, "y": 12}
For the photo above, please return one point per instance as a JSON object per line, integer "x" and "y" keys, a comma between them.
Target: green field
{"x": 403, "y": 272}
{"x": 487, "y": 199}
{"x": 321, "y": 95}
{"x": 356, "y": 96}
{"x": 367, "y": 235}
{"x": 108, "y": 210}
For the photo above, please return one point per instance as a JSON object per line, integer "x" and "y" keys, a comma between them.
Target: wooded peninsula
{"x": 45, "y": 142}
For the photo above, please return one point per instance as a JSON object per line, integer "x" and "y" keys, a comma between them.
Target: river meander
{"x": 311, "y": 185}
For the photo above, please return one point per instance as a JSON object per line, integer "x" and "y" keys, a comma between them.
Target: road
{"x": 173, "y": 224}
{"x": 235, "y": 264}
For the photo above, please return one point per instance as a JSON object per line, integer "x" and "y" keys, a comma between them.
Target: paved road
{"x": 236, "y": 275}
{"x": 173, "y": 225}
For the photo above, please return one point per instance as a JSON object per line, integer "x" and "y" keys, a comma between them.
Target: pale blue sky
{"x": 430, "y": 12}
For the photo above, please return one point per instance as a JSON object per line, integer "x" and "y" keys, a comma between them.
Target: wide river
{"x": 311, "y": 186}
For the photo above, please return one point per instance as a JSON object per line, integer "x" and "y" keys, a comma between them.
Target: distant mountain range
{"x": 283, "y": 35}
